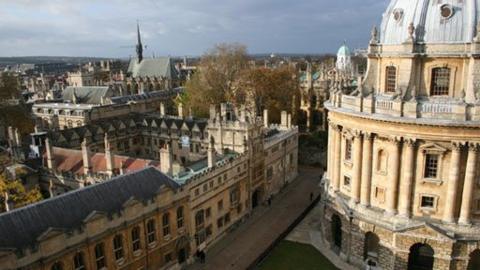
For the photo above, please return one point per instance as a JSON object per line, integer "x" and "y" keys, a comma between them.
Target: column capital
{"x": 394, "y": 139}
{"x": 368, "y": 135}
{"x": 474, "y": 146}
{"x": 335, "y": 127}
{"x": 458, "y": 145}
{"x": 409, "y": 141}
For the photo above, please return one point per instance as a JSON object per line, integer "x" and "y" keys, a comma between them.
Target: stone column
{"x": 337, "y": 155}
{"x": 366, "y": 170}
{"x": 330, "y": 156}
{"x": 469, "y": 185}
{"x": 405, "y": 199}
{"x": 357, "y": 167}
{"x": 393, "y": 173}
{"x": 452, "y": 185}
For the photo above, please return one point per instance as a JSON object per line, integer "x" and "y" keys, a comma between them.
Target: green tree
{"x": 16, "y": 194}
{"x": 9, "y": 86}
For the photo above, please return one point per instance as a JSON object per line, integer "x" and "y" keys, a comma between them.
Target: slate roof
{"x": 153, "y": 67}
{"x": 21, "y": 227}
{"x": 87, "y": 94}
{"x": 145, "y": 96}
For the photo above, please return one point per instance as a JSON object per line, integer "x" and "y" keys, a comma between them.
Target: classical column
{"x": 357, "y": 167}
{"x": 366, "y": 170}
{"x": 337, "y": 155}
{"x": 405, "y": 200}
{"x": 452, "y": 185}
{"x": 393, "y": 173}
{"x": 469, "y": 184}
{"x": 330, "y": 146}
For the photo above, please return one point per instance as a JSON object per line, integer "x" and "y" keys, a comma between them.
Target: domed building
{"x": 344, "y": 60}
{"x": 402, "y": 190}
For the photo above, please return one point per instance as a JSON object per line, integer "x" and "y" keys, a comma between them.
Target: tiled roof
{"x": 21, "y": 227}
{"x": 87, "y": 94}
{"x": 153, "y": 67}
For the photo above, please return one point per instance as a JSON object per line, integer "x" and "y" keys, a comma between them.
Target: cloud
{"x": 183, "y": 27}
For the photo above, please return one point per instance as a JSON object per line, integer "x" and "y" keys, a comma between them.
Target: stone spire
{"x": 87, "y": 167}
{"x": 211, "y": 153}
{"x": 139, "y": 45}
{"x": 109, "y": 157}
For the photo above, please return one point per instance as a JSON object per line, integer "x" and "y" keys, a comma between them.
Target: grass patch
{"x": 289, "y": 255}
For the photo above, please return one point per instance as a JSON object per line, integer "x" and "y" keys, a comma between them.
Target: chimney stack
{"x": 49, "y": 150}
{"x": 211, "y": 153}
{"x": 166, "y": 159}
{"x": 87, "y": 167}
{"x": 180, "y": 110}
{"x": 289, "y": 121}
{"x": 162, "y": 109}
{"x": 265, "y": 118}
{"x": 109, "y": 159}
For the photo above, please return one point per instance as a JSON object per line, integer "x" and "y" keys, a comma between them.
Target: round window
{"x": 398, "y": 14}
{"x": 446, "y": 11}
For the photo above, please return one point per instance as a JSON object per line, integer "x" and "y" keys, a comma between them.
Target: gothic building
{"x": 402, "y": 187}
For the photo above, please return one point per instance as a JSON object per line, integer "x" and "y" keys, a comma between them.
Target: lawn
{"x": 295, "y": 256}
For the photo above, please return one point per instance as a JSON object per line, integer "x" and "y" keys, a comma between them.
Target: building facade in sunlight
{"x": 402, "y": 187}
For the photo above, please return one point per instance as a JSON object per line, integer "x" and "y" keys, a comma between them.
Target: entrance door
{"x": 255, "y": 198}
{"x": 182, "y": 256}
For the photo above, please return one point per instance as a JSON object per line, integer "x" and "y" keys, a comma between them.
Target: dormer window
{"x": 390, "y": 79}
{"x": 440, "y": 82}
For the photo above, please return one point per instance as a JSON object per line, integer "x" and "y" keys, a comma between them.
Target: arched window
{"x": 136, "y": 238}
{"x": 166, "y": 224}
{"x": 390, "y": 79}
{"x": 180, "y": 217}
{"x": 337, "y": 232}
{"x": 474, "y": 261}
{"x": 440, "y": 85}
{"x": 79, "y": 261}
{"x": 382, "y": 159}
{"x": 100, "y": 256}
{"x": 420, "y": 257}
{"x": 151, "y": 231}
{"x": 57, "y": 266}
{"x": 370, "y": 248}
{"x": 118, "y": 247}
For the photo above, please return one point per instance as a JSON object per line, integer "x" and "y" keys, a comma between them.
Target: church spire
{"x": 139, "y": 45}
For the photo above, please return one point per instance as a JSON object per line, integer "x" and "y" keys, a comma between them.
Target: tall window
{"x": 180, "y": 217}
{"x": 427, "y": 202}
{"x": 199, "y": 218}
{"x": 78, "y": 261}
{"x": 100, "y": 256}
{"x": 440, "y": 85}
{"x": 57, "y": 266}
{"x": 166, "y": 224}
{"x": 151, "y": 237}
{"x": 346, "y": 181}
{"x": 431, "y": 166}
{"x": 136, "y": 238}
{"x": 348, "y": 150}
{"x": 118, "y": 246}
{"x": 390, "y": 79}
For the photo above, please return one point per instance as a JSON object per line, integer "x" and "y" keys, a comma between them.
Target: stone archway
{"x": 421, "y": 257}
{"x": 337, "y": 232}
{"x": 370, "y": 248}
{"x": 474, "y": 260}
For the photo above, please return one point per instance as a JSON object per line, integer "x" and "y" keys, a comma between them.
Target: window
{"x": 151, "y": 236}
{"x": 390, "y": 79}
{"x": 348, "y": 150}
{"x": 380, "y": 194}
{"x": 269, "y": 173}
{"x": 136, "y": 238}
{"x": 197, "y": 192}
{"x": 346, "y": 181}
{"x": 199, "y": 218}
{"x": 440, "y": 84}
{"x": 166, "y": 224}
{"x": 57, "y": 266}
{"x": 118, "y": 247}
{"x": 427, "y": 202}
{"x": 220, "y": 223}
{"x": 208, "y": 212}
{"x": 180, "y": 217}
{"x": 234, "y": 195}
{"x": 220, "y": 205}
{"x": 227, "y": 218}
{"x": 382, "y": 161}
{"x": 208, "y": 231}
{"x": 100, "y": 256}
{"x": 78, "y": 261}
{"x": 168, "y": 257}
{"x": 431, "y": 166}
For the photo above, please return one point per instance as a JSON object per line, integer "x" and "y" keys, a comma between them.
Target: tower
{"x": 139, "y": 45}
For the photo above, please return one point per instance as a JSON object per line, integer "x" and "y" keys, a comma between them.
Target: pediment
{"x": 122, "y": 125}
{"x": 131, "y": 202}
{"x": 433, "y": 147}
{"x": 49, "y": 233}
{"x": 94, "y": 216}
{"x": 164, "y": 125}
{"x": 427, "y": 230}
{"x": 111, "y": 128}
{"x": 145, "y": 123}
{"x": 154, "y": 124}
{"x": 132, "y": 124}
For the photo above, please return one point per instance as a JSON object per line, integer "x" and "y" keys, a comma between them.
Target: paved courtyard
{"x": 238, "y": 249}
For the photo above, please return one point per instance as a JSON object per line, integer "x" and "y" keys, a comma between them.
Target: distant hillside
{"x": 4, "y": 61}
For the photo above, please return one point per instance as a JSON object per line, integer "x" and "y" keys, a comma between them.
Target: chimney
{"x": 166, "y": 159}
{"x": 211, "y": 153}
{"x": 289, "y": 121}
{"x": 87, "y": 167}
{"x": 162, "y": 109}
{"x": 122, "y": 167}
{"x": 213, "y": 112}
{"x": 109, "y": 158}
{"x": 284, "y": 120}
{"x": 265, "y": 118}
{"x": 50, "y": 159}
{"x": 180, "y": 110}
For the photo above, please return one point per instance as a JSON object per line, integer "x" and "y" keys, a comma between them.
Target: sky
{"x": 107, "y": 28}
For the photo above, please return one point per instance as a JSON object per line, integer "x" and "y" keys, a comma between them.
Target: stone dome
{"x": 343, "y": 50}
{"x": 435, "y": 21}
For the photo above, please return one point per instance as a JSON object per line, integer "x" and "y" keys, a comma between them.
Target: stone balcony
{"x": 422, "y": 109}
